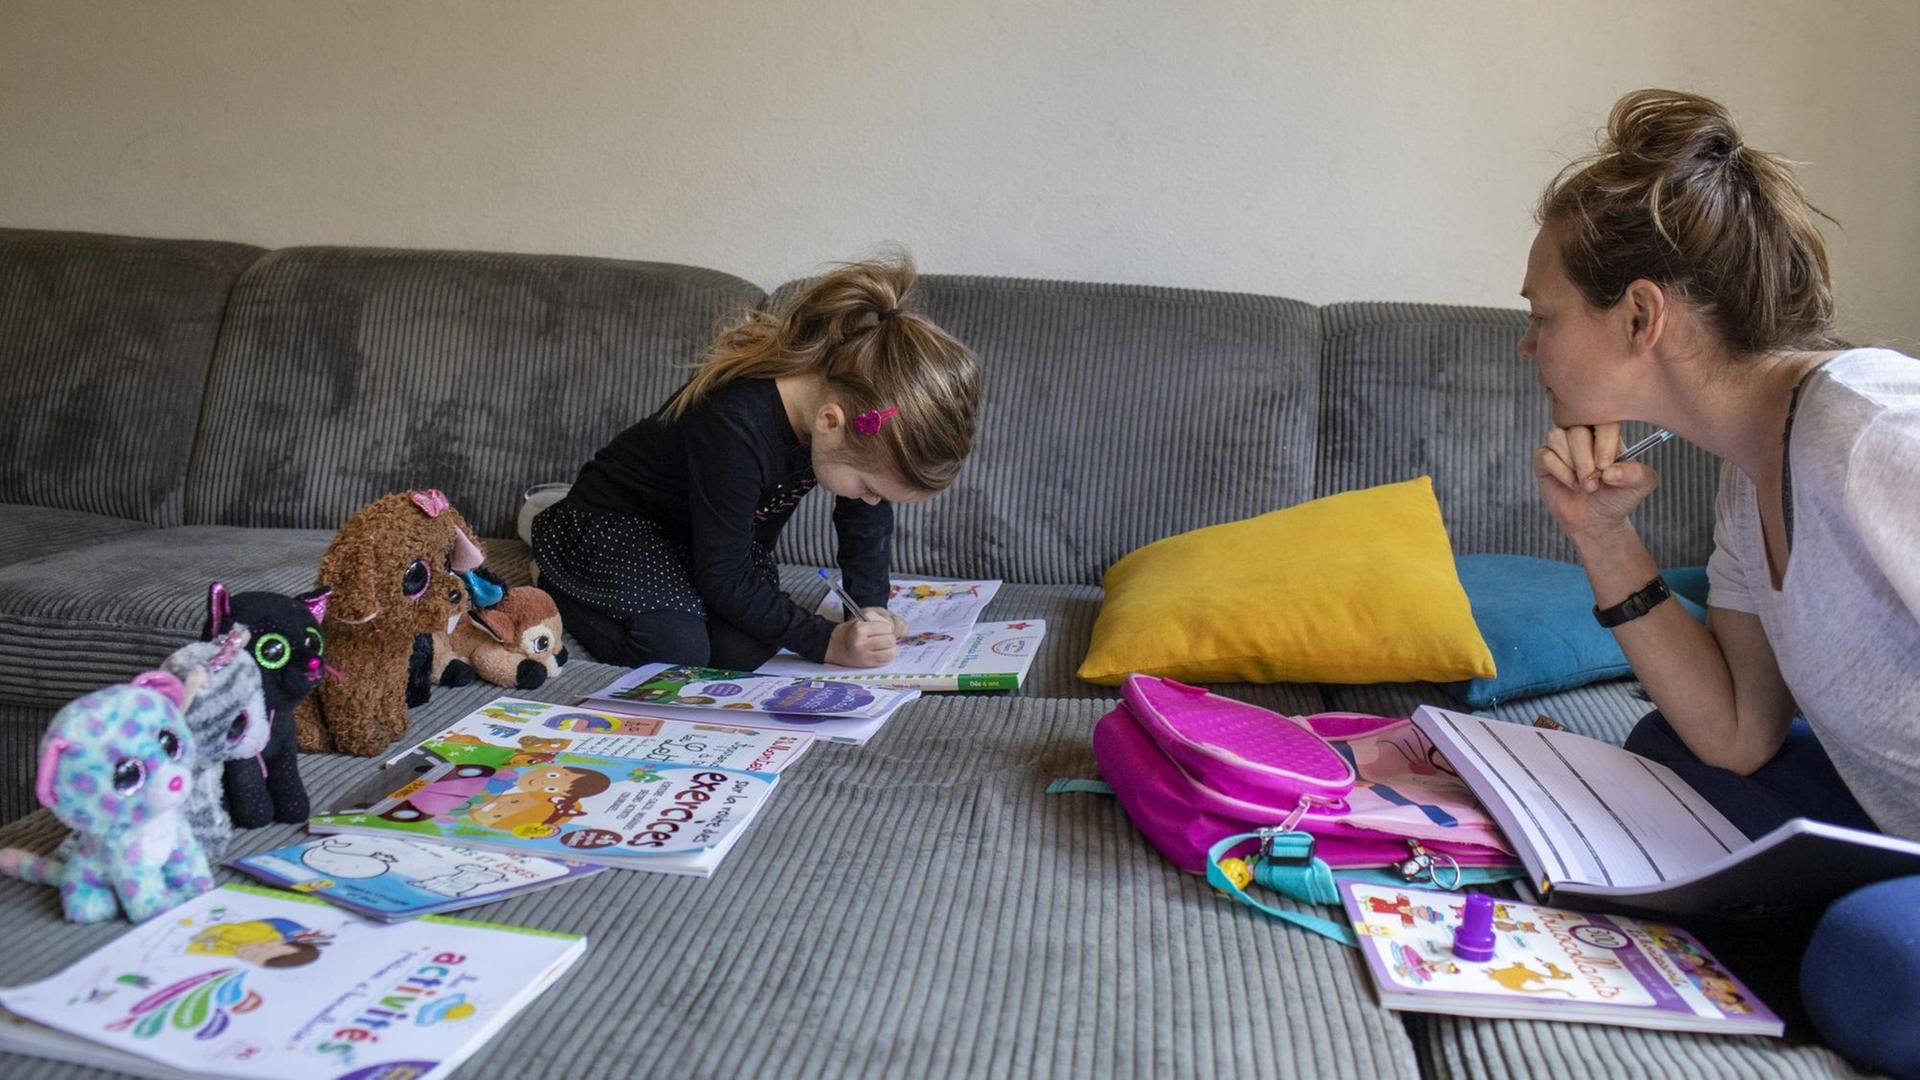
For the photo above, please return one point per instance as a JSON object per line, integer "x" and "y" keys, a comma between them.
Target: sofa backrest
{"x": 1412, "y": 389}
{"x": 347, "y": 373}
{"x": 1111, "y": 416}
{"x": 105, "y": 343}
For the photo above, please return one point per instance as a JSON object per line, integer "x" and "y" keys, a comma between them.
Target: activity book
{"x": 512, "y": 731}
{"x": 1547, "y": 964}
{"x": 1609, "y": 830}
{"x": 391, "y": 877}
{"x": 836, "y": 708}
{"x": 251, "y": 982}
{"x": 946, "y": 647}
{"x": 674, "y": 808}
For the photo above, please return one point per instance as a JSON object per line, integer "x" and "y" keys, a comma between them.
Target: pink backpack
{"x": 1192, "y": 768}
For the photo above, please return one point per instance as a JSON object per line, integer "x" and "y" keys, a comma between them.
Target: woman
{"x": 1679, "y": 278}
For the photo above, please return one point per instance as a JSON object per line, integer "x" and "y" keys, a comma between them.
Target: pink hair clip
{"x": 869, "y": 422}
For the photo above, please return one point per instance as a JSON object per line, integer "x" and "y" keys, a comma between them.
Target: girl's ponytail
{"x": 855, "y": 327}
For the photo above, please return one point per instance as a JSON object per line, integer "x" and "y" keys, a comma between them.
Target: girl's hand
{"x": 862, "y": 643}
{"x": 899, "y": 624}
{"x": 1586, "y": 490}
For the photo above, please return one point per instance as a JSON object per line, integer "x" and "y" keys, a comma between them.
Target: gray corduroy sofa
{"x": 176, "y": 412}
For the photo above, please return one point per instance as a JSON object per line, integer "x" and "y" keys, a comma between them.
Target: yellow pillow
{"x": 1353, "y": 588}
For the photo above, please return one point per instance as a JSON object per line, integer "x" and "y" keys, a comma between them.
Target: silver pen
{"x": 853, "y": 610}
{"x": 1645, "y": 445}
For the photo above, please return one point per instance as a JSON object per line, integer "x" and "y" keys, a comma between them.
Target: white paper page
{"x": 1591, "y": 813}
{"x": 927, "y": 606}
{"x": 988, "y": 647}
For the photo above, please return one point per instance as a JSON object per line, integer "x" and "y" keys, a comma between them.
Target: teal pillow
{"x": 1537, "y": 618}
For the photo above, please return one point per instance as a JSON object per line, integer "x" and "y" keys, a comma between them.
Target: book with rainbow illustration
{"x": 251, "y": 982}
{"x": 1548, "y": 964}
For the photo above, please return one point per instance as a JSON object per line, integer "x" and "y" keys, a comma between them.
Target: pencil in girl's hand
{"x": 846, "y": 601}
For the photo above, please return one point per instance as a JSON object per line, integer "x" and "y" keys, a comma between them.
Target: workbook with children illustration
{"x": 1546, "y": 964}
{"x": 636, "y": 813}
{"x": 251, "y": 982}
{"x": 946, "y": 646}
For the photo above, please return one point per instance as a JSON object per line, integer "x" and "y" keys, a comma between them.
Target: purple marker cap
{"x": 1473, "y": 939}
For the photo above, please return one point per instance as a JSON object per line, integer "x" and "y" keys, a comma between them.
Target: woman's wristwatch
{"x": 1634, "y": 606}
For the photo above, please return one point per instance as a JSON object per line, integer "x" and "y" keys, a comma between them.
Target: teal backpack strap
{"x": 1284, "y": 863}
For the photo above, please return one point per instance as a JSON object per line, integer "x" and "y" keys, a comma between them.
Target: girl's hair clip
{"x": 869, "y": 422}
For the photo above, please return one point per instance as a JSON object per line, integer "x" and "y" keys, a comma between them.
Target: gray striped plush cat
{"x": 227, "y": 713}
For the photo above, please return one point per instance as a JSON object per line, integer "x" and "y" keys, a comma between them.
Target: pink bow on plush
{"x": 430, "y": 502}
{"x": 869, "y": 422}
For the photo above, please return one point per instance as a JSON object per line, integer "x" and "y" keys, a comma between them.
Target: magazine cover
{"x": 251, "y": 982}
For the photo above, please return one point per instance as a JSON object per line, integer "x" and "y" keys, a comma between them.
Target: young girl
{"x": 662, "y": 550}
{"x": 1679, "y": 278}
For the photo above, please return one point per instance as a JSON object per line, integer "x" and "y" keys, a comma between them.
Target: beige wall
{"x": 1322, "y": 150}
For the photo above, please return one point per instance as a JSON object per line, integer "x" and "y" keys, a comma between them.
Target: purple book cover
{"x": 1548, "y": 964}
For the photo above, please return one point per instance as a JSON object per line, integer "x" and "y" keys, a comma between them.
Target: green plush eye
{"x": 272, "y": 651}
{"x": 316, "y": 643}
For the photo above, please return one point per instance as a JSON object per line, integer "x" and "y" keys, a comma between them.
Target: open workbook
{"x": 1599, "y": 827}
{"x": 946, "y": 646}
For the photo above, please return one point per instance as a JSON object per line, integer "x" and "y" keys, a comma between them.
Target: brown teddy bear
{"x": 516, "y": 642}
{"x": 394, "y": 570}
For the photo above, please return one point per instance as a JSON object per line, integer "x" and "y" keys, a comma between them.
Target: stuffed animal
{"x": 290, "y": 653}
{"x": 227, "y": 713}
{"x": 114, "y": 768}
{"x": 393, "y": 569}
{"x": 515, "y": 642}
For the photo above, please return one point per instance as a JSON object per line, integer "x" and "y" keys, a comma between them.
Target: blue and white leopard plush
{"x": 227, "y": 713}
{"x": 114, "y": 769}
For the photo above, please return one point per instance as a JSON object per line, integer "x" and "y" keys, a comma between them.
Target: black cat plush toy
{"x": 291, "y": 654}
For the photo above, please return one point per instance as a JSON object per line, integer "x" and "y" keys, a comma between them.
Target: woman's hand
{"x": 1586, "y": 490}
{"x": 862, "y": 643}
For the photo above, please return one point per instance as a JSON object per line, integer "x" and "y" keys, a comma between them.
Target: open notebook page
{"x": 1579, "y": 811}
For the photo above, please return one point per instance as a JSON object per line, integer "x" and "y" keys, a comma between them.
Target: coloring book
{"x": 391, "y": 877}
{"x": 1548, "y": 964}
{"x": 512, "y": 731}
{"x": 251, "y": 982}
{"x": 633, "y": 813}
{"x": 991, "y": 656}
{"x": 925, "y": 605}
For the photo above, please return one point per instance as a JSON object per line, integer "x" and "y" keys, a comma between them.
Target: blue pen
{"x": 846, "y": 601}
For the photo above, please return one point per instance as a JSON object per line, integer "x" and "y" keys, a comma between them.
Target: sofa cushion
{"x": 1537, "y": 616}
{"x": 1421, "y": 388}
{"x": 1111, "y": 416}
{"x": 917, "y": 906}
{"x": 348, "y": 373}
{"x": 1352, "y": 588}
{"x": 105, "y": 342}
{"x": 80, "y": 619}
{"x": 1456, "y": 1048}
{"x": 1604, "y": 710}
{"x": 28, "y": 532}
